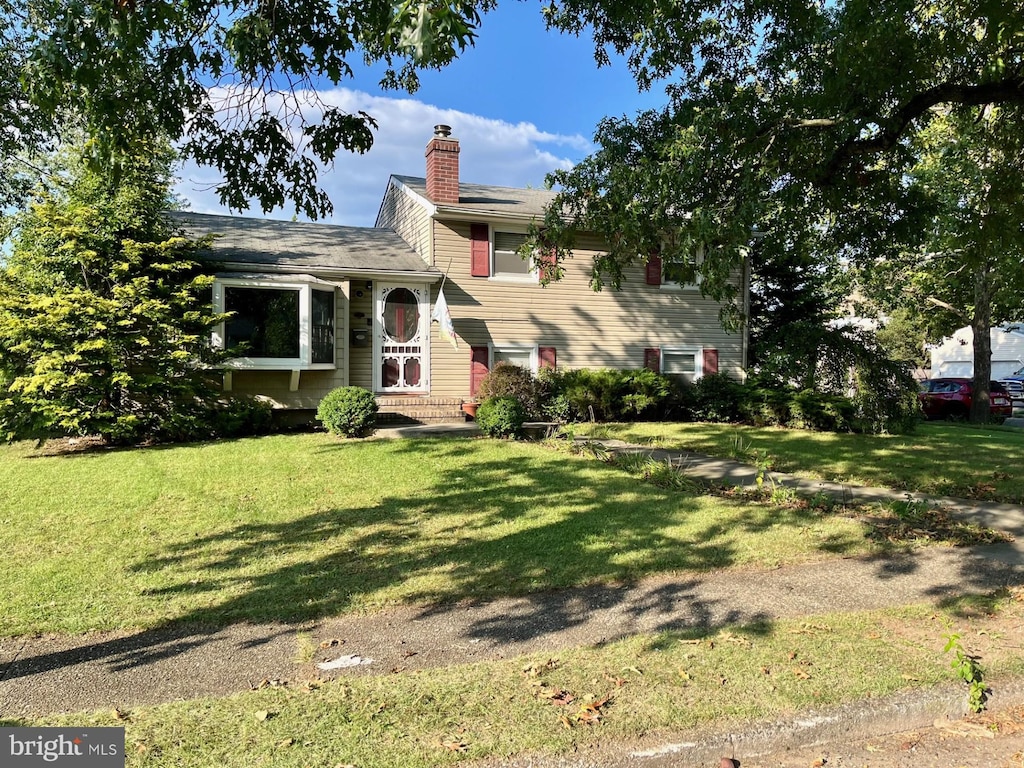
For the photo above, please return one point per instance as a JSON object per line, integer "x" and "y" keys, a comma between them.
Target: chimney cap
{"x": 442, "y": 131}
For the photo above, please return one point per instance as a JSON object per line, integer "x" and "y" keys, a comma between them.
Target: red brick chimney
{"x": 443, "y": 166}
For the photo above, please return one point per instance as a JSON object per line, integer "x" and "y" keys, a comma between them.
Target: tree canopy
{"x": 798, "y": 123}
{"x": 233, "y": 83}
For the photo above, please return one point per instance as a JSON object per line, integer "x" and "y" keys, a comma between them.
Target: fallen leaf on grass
{"x": 264, "y": 715}
{"x": 536, "y": 670}
{"x": 736, "y": 639}
{"x": 618, "y": 681}
{"x": 562, "y": 698}
{"x": 286, "y": 742}
{"x": 591, "y": 713}
{"x": 454, "y": 745}
{"x": 801, "y": 673}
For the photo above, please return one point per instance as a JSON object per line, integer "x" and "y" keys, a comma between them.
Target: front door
{"x": 401, "y": 338}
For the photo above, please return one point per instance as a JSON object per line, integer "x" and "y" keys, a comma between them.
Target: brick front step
{"x": 419, "y": 410}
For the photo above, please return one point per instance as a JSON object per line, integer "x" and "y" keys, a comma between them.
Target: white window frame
{"x": 533, "y": 351}
{"x": 532, "y": 276}
{"x": 673, "y": 285}
{"x": 698, "y": 360}
{"x": 305, "y": 287}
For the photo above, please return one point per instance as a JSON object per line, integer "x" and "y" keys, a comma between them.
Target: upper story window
{"x": 275, "y": 324}
{"x": 683, "y": 276}
{"x": 506, "y": 260}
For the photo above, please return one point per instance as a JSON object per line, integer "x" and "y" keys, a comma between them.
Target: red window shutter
{"x": 480, "y": 359}
{"x": 548, "y": 358}
{"x": 548, "y": 264}
{"x": 710, "y": 361}
{"x": 652, "y": 359}
{"x": 480, "y": 250}
{"x": 654, "y": 269}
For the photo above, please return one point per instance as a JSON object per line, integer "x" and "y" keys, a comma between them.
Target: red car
{"x": 951, "y": 399}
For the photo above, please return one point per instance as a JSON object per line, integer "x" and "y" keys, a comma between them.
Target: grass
{"x": 943, "y": 459}
{"x": 298, "y": 527}
{"x": 637, "y": 690}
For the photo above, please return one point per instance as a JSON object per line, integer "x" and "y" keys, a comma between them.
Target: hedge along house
{"x": 320, "y": 306}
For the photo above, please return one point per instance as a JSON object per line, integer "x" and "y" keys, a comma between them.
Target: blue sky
{"x": 522, "y": 102}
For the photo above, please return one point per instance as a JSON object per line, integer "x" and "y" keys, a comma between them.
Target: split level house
{"x": 319, "y": 306}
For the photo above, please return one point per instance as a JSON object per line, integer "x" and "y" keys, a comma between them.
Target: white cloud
{"x": 493, "y": 152}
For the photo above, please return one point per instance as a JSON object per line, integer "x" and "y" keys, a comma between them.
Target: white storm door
{"x": 401, "y": 338}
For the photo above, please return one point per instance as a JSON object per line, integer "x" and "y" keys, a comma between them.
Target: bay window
{"x": 276, "y": 324}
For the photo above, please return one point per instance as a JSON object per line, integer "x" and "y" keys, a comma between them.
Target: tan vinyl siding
{"x": 361, "y": 358}
{"x": 588, "y": 329}
{"x": 408, "y": 217}
{"x": 313, "y": 385}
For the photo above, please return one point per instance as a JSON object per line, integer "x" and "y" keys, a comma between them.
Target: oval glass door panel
{"x": 401, "y": 315}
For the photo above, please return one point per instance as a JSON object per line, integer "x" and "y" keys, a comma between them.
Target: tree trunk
{"x": 981, "y": 323}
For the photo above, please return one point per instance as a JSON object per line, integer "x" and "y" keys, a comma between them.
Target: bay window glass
{"x": 264, "y": 322}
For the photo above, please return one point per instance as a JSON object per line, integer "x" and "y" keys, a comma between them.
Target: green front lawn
{"x": 297, "y": 527}
{"x": 944, "y": 459}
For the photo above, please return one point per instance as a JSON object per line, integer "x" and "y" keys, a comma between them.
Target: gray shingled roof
{"x": 508, "y": 201}
{"x": 301, "y": 246}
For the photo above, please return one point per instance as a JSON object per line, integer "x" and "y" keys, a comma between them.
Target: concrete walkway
{"x": 1002, "y": 517}
{"x": 50, "y": 674}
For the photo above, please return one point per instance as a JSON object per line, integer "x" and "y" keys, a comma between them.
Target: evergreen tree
{"x": 105, "y": 318}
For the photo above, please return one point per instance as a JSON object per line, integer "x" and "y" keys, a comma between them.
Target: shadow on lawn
{"x": 609, "y": 533}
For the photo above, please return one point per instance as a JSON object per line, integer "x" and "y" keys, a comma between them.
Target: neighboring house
{"x": 323, "y": 306}
{"x": 954, "y": 355}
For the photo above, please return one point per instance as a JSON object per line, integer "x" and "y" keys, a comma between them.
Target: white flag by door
{"x": 444, "y": 319}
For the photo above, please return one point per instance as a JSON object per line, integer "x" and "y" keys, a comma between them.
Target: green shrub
{"x": 501, "y": 417}
{"x": 348, "y": 411}
{"x": 607, "y": 394}
{"x": 766, "y": 406}
{"x": 510, "y": 380}
{"x": 886, "y": 399}
{"x": 242, "y": 417}
{"x": 592, "y": 393}
{"x": 820, "y": 411}
{"x": 717, "y": 398}
{"x": 645, "y": 394}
